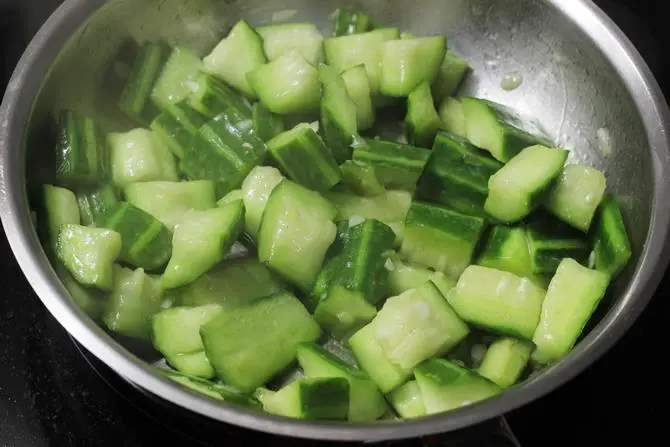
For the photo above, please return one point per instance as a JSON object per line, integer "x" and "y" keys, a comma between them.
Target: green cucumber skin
{"x": 224, "y": 154}
{"x": 612, "y": 245}
{"x": 96, "y": 202}
{"x": 147, "y": 243}
{"x": 213, "y": 97}
{"x": 551, "y": 240}
{"x": 267, "y": 125}
{"x": 452, "y": 73}
{"x": 135, "y": 99}
{"x": 433, "y": 216}
{"x": 422, "y": 121}
{"x": 325, "y": 399}
{"x": 177, "y": 126}
{"x": 397, "y": 165}
{"x": 81, "y": 151}
{"x": 350, "y": 21}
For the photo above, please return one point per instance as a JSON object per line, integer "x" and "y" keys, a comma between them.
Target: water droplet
{"x": 511, "y": 81}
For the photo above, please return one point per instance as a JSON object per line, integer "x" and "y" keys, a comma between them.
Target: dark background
{"x": 49, "y": 395}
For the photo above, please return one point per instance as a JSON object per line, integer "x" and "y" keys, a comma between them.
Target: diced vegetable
{"x": 397, "y": 165}
{"x": 338, "y": 114}
{"x": 452, "y": 116}
{"x": 521, "y": 185}
{"x": 283, "y": 38}
{"x": 257, "y": 188}
{"x": 574, "y": 293}
{"x": 440, "y": 238}
{"x": 576, "y": 195}
{"x": 200, "y": 241}
{"x": 60, "y": 206}
{"x": 180, "y": 70}
{"x": 358, "y": 88}
{"x": 445, "y": 386}
{"x": 177, "y": 127}
{"x": 231, "y": 283}
{"x": 89, "y": 253}
{"x": 505, "y": 360}
{"x": 612, "y": 247}
{"x": 90, "y": 300}
{"x": 134, "y": 300}
{"x": 361, "y": 178}
{"x": 498, "y": 301}
{"x": 93, "y": 203}
{"x": 422, "y": 121}
{"x": 305, "y": 158}
{"x": 311, "y": 398}
{"x": 296, "y": 230}
{"x": 287, "y": 85}
{"x": 550, "y": 241}
{"x": 350, "y": 21}
{"x": 267, "y": 125}
{"x": 407, "y": 400}
{"x": 403, "y": 277}
{"x": 406, "y": 63}
{"x": 81, "y": 151}
{"x": 211, "y": 97}
{"x": 246, "y": 357}
{"x": 450, "y": 76}
{"x": 216, "y": 391}
{"x": 140, "y": 156}
{"x": 146, "y": 241}
{"x": 366, "y": 403}
{"x": 135, "y": 98}
{"x": 238, "y": 54}
{"x": 499, "y": 129}
{"x": 168, "y": 201}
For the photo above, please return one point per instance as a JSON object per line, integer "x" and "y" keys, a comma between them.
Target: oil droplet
{"x": 511, "y": 81}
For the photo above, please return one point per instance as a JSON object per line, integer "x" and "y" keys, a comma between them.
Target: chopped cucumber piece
{"x": 440, "y": 238}
{"x": 450, "y": 76}
{"x": 135, "y": 298}
{"x": 338, "y": 114}
{"x": 457, "y": 175}
{"x": 355, "y": 279}
{"x": 200, "y": 241}
{"x": 506, "y": 248}
{"x": 135, "y": 98}
{"x": 574, "y": 293}
{"x": 81, "y": 151}
{"x": 497, "y": 300}
{"x": 225, "y": 154}
{"x": 446, "y": 386}
{"x": 366, "y": 403}
{"x": 407, "y": 400}
{"x": 231, "y": 283}
{"x": 176, "y": 334}
{"x": 94, "y": 203}
{"x": 295, "y": 233}
{"x": 172, "y": 85}
{"x": 361, "y": 178}
{"x": 406, "y": 63}
{"x": 305, "y": 158}
{"x": 403, "y": 277}
{"x": 576, "y": 195}
{"x": 61, "y": 208}
{"x": 216, "y": 391}
{"x": 140, "y": 156}
{"x": 177, "y": 126}
{"x": 211, "y": 97}
{"x": 238, "y": 54}
{"x": 146, "y": 240}
{"x": 287, "y": 85}
{"x": 194, "y": 364}
{"x": 267, "y": 125}
{"x": 390, "y": 208}
{"x": 168, "y": 201}
{"x": 281, "y": 39}
{"x": 521, "y": 185}
{"x": 348, "y": 21}
{"x": 499, "y": 129}
{"x": 373, "y": 360}
{"x": 91, "y": 301}
{"x": 417, "y": 325}
{"x": 452, "y": 116}
{"x": 505, "y": 360}
{"x": 397, "y": 165}
{"x": 245, "y": 357}
{"x": 612, "y": 247}
{"x": 550, "y": 241}
{"x": 257, "y": 188}
{"x": 316, "y": 398}
{"x": 365, "y": 49}
{"x": 358, "y": 88}
{"x": 232, "y": 196}
{"x": 88, "y": 253}
{"x": 422, "y": 121}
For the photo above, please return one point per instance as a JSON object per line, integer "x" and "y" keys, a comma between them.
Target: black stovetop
{"x": 50, "y": 394}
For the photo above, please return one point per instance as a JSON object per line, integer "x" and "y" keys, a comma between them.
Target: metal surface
{"x": 580, "y": 74}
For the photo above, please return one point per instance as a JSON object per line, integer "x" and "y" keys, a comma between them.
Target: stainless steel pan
{"x": 581, "y": 77}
